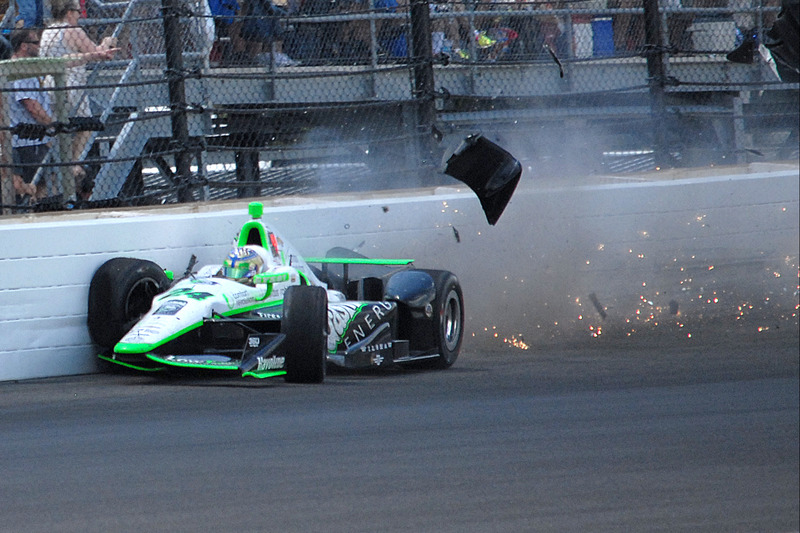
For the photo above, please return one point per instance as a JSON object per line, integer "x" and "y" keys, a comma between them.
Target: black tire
{"x": 448, "y": 318}
{"x": 305, "y": 323}
{"x": 120, "y": 293}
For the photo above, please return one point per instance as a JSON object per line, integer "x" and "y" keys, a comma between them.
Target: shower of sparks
{"x": 516, "y": 342}
{"x": 513, "y": 341}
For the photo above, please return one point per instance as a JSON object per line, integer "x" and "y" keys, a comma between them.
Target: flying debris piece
{"x": 751, "y": 151}
{"x": 190, "y": 266}
{"x": 555, "y": 58}
{"x": 490, "y": 171}
{"x": 596, "y": 302}
{"x": 673, "y": 307}
{"x": 779, "y": 46}
{"x": 783, "y": 41}
{"x": 745, "y": 52}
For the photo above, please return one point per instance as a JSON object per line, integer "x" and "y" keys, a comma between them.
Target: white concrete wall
{"x": 709, "y": 245}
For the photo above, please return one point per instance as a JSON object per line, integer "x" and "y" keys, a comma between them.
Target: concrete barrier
{"x": 678, "y": 254}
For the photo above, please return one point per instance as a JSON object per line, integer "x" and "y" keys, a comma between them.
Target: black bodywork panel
{"x": 490, "y": 171}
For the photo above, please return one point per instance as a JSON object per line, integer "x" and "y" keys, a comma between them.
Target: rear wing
{"x": 346, "y": 261}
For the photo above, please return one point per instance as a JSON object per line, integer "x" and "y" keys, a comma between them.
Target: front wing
{"x": 362, "y": 335}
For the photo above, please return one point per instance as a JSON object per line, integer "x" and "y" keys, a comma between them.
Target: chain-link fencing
{"x": 161, "y": 101}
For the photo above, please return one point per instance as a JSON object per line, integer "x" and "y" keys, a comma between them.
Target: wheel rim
{"x": 451, "y": 321}
{"x": 140, "y": 298}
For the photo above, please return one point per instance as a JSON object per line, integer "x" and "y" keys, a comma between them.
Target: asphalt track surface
{"x": 657, "y": 436}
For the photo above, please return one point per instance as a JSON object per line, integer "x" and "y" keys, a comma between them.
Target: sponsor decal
{"x": 377, "y": 360}
{"x": 141, "y": 334}
{"x": 278, "y": 291}
{"x": 270, "y": 363}
{"x": 219, "y": 361}
{"x": 242, "y": 298}
{"x": 276, "y": 247}
{"x": 351, "y": 322}
{"x": 178, "y": 359}
{"x": 339, "y": 317}
{"x": 269, "y": 316}
{"x": 253, "y": 342}
{"x": 170, "y": 307}
{"x": 376, "y": 347}
{"x": 190, "y": 293}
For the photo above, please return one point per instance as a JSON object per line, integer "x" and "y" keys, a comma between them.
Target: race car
{"x": 267, "y": 311}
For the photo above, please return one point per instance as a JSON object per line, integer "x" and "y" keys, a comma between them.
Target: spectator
{"x": 313, "y": 41}
{"x": 353, "y": 44}
{"x": 64, "y": 38}
{"x": 27, "y": 105}
{"x": 5, "y": 48}
{"x": 143, "y": 34}
{"x": 628, "y": 27}
{"x": 537, "y": 32}
{"x": 678, "y": 23}
{"x": 262, "y": 30}
{"x": 30, "y": 13}
{"x": 447, "y": 32}
{"x": 391, "y": 32}
{"x": 527, "y": 28}
{"x": 224, "y": 12}
{"x": 199, "y": 32}
{"x": 552, "y": 32}
{"x": 228, "y": 28}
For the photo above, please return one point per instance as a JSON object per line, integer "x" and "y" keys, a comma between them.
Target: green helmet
{"x": 244, "y": 262}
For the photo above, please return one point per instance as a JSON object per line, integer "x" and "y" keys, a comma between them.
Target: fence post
{"x": 656, "y": 76}
{"x": 177, "y": 96}
{"x": 422, "y": 57}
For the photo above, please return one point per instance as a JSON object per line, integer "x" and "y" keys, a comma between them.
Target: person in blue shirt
{"x": 30, "y": 14}
{"x": 28, "y": 105}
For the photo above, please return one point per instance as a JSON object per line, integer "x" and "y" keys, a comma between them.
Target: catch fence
{"x": 334, "y": 96}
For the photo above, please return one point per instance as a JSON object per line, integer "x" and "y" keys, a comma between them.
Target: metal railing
{"x": 356, "y": 95}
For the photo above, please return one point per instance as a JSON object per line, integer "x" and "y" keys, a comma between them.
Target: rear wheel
{"x": 304, "y": 322}
{"x": 120, "y": 293}
{"x": 448, "y": 318}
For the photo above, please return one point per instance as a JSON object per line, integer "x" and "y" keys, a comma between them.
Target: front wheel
{"x": 121, "y": 292}
{"x": 304, "y": 322}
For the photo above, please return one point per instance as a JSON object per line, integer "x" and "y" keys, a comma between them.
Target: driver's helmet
{"x": 244, "y": 262}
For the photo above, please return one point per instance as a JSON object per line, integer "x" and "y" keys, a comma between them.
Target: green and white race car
{"x": 267, "y": 311}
